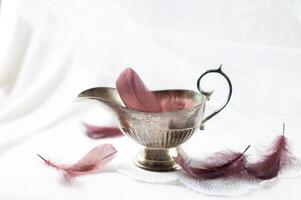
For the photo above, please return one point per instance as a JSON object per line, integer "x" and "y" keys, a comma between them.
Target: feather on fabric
{"x": 221, "y": 164}
{"x": 93, "y": 161}
{"x": 276, "y": 157}
{"x": 99, "y": 132}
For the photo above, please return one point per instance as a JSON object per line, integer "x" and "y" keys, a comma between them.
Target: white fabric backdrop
{"x": 52, "y": 50}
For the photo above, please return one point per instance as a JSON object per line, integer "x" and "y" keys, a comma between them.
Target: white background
{"x": 52, "y": 50}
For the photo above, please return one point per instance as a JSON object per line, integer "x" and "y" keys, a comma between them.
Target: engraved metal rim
{"x": 136, "y": 111}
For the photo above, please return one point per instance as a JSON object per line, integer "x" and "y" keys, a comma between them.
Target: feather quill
{"x": 99, "y": 132}
{"x": 135, "y": 94}
{"x": 276, "y": 157}
{"x": 93, "y": 161}
{"x": 221, "y": 164}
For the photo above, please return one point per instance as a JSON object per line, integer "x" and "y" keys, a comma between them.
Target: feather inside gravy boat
{"x": 160, "y": 134}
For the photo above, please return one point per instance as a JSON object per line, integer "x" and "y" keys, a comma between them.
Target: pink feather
{"x": 135, "y": 94}
{"x": 93, "y": 161}
{"x": 273, "y": 160}
{"x": 221, "y": 164}
{"x": 97, "y": 132}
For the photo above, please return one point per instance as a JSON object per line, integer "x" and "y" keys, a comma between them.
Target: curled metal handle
{"x": 208, "y": 93}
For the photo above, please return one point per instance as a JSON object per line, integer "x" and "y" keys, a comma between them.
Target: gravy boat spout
{"x": 106, "y": 97}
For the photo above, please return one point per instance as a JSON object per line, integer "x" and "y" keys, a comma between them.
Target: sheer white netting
{"x": 232, "y": 186}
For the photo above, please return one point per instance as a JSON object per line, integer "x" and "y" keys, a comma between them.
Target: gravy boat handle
{"x": 208, "y": 93}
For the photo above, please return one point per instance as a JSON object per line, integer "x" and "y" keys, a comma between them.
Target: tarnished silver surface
{"x": 160, "y": 134}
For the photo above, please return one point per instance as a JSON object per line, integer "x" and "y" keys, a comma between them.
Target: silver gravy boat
{"x": 160, "y": 134}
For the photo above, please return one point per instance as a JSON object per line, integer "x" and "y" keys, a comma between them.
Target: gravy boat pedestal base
{"x": 160, "y": 160}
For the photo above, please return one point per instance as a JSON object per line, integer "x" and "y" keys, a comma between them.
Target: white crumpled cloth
{"x": 52, "y": 50}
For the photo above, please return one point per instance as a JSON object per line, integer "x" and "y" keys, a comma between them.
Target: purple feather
{"x": 98, "y": 132}
{"x": 134, "y": 94}
{"x": 276, "y": 157}
{"x": 221, "y": 164}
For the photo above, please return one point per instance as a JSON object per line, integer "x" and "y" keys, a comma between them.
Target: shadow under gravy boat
{"x": 160, "y": 134}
